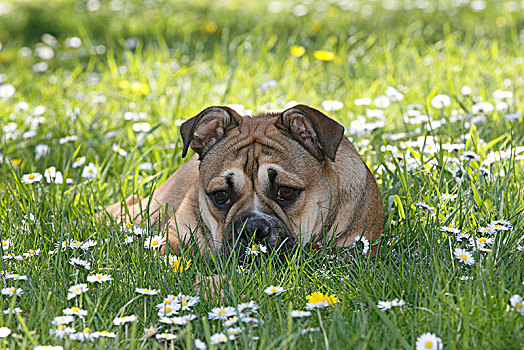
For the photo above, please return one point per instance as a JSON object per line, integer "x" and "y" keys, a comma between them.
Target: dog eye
{"x": 221, "y": 198}
{"x": 286, "y": 193}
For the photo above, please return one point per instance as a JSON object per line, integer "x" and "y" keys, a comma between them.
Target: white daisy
{"x": 146, "y": 291}
{"x": 221, "y": 313}
{"x": 233, "y": 332}
{"x": 440, "y": 101}
{"x": 90, "y": 171}
{"x": 218, "y": 338}
{"x": 300, "y": 313}
{"x": 75, "y": 311}
{"x": 80, "y": 263}
{"x": 104, "y": 334}
{"x": 119, "y": 150}
{"x": 123, "y": 320}
{"x": 271, "y": 290}
{"x": 450, "y": 229}
{"x": 428, "y": 341}
{"x": 166, "y": 336}
{"x": 100, "y": 278}
{"x": 76, "y": 290}
{"x": 516, "y": 303}
{"x": 4, "y": 332}
{"x": 247, "y": 308}
{"x": 128, "y": 240}
{"x": 61, "y": 320}
{"x": 332, "y": 105}
{"x": 10, "y": 291}
{"x": 28, "y": 179}
{"x": 464, "y": 256}
{"x": 79, "y": 161}
{"x": 470, "y": 156}
{"x": 256, "y": 249}
{"x": 361, "y": 241}
{"x": 154, "y": 242}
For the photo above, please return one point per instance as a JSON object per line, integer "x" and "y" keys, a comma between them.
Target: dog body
{"x": 280, "y": 179}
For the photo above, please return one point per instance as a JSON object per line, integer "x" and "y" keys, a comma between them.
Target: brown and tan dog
{"x": 277, "y": 178}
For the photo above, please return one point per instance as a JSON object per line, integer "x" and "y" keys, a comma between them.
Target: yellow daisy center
{"x": 31, "y": 177}
{"x": 221, "y": 312}
{"x": 482, "y": 240}
{"x": 167, "y": 302}
{"x": 464, "y": 256}
{"x": 77, "y": 290}
{"x": 168, "y": 309}
{"x": 4, "y": 243}
{"x": 11, "y": 290}
{"x": 78, "y": 159}
{"x": 75, "y": 309}
{"x": 146, "y": 290}
{"x": 99, "y": 277}
{"x": 90, "y": 170}
{"x": 254, "y": 247}
{"x": 105, "y": 332}
{"x": 273, "y": 289}
{"x": 184, "y": 303}
{"x": 154, "y": 242}
{"x": 61, "y": 327}
{"x": 518, "y": 306}
{"x": 429, "y": 345}
{"x": 87, "y": 330}
{"x": 31, "y": 251}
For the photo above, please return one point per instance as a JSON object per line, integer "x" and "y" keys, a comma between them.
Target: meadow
{"x": 92, "y": 94}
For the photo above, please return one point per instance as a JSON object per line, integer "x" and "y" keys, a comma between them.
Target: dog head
{"x": 263, "y": 178}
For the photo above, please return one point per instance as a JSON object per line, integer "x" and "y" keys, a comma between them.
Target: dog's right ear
{"x": 203, "y": 130}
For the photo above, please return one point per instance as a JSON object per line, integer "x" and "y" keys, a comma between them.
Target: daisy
{"x": 168, "y": 307}
{"x": 90, "y": 171}
{"x": 146, "y": 291}
{"x": 465, "y": 90}
{"x": 394, "y": 94}
{"x": 309, "y": 330}
{"x": 151, "y": 331}
{"x": 462, "y": 237}
{"x": 470, "y": 156}
{"x": 104, "y": 334}
{"x": 186, "y": 301}
{"x": 10, "y": 291}
{"x": 61, "y": 320}
{"x": 154, "y": 242}
{"x": 5, "y": 244}
{"x": 499, "y": 226}
{"x": 100, "y": 278}
{"x": 250, "y": 321}
{"x": 31, "y": 252}
{"x": 119, "y": 150}
{"x": 381, "y": 101}
{"x": 76, "y": 290}
{"x": 61, "y": 331}
{"x": 88, "y": 244}
{"x": 300, "y": 313}
{"x": 332, "y": 105}
{"x": 365, "y": 101}
{"x": 16, "y": 277}
{"x": 166, "y": 336}
{"x": 386, "y": 305}
{"x": 464, "y": 256}
{"x": 428, "y": 341}
{"x": 16, "y": 310}
{"x": 486, "y": 230}
{"x": 79, "y": 161}
{"x": 85, "y": 335}
{"x": 28, "y": 179}
{"x": 48, "y": 347}
{"x": 425, "y": 206}
{"x": 361, "y": 241}
{"x": 4, "y": 332}
{"x": 53, "y": 176}
{"x": 218, "y": 338}
{"x": 123, "y": 320}
{"x": 200, "y": 345}
{"x": 128, "y": 240}
{"x": 247, "y": 308}
{"x": 80, "y": 263}
{"x": 480, "y": 242}
{"x": 221, "y": 313}
{"x": 230, "y": 321}
{"x": 76, "y": 311}
{"x": 234, "y": 332}
{"x": 256, "y": 249}
{"x": 273, "y": 290}
{"x": 517, "y": 303}
{"x": 450, "y": 230}
{"x": 178, "y": 320}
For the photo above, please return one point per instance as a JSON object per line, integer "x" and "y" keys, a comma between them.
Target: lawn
{"x": 430, "y": 92}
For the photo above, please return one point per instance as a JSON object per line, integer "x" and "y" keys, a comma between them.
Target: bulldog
{"x": 277, "y": 179}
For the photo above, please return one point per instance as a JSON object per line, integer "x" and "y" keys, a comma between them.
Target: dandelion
{"x": 76, "y": 290}
{"x": 178, "y": 264}
{"x": 271, "y": 290}
{"x": 428, "y": 341}
{"x": 464, "y": 256}
{"x": 320, "y": 300}
{"x": 297, "y": 50}
{"x": 441, "y": 101}
{"x": 100, "y": 278}
{"x": 221, "y": 313}
{"x": 322, "y": 55}
{"x": 218, "y": 338}
{"x": 300, "y": 313}
{"x": 11, "y": 291}
{"x": 166, "y": 336}
{"x": 154, "y": 242}
{"x": 76, "y": 311}
{"x": 28, "y": 179}
{"x": 123, "y": 320}
{"x": 146, "y": 291}
{"x": 4, "y": 332}
{"x": 90, "y": 171}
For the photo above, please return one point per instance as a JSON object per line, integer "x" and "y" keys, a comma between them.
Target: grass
{"x": 190, "y": 55}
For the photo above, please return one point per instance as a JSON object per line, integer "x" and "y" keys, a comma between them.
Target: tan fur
{"x": 340, "y": 195}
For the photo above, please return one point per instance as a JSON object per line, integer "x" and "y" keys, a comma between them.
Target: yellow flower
{"x": 209, "y": 28}
{"x": 319, "y": 297}
{"x": 139, "y": 88}
{"x": 180, "y": 264}
{"x": 123, "y": 84}
{"x": 324, "y": 55}
{"x": 297, "y": 50}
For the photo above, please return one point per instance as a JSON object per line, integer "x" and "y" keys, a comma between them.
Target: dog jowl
{"x": 276, "y": 179}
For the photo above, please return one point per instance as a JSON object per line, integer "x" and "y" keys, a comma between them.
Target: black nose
{"x": 253, "y": 228}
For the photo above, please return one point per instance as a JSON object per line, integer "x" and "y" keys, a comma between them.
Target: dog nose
{"x": 253, "y": 229}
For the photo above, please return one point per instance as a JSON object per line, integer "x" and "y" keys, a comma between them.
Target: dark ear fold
{"x": 203, "y": 130}
{"x": 318, "y": 133}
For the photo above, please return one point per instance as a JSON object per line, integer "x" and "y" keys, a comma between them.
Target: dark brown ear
{"x": 314, "y": 130}
{"x": 203, "y": 130}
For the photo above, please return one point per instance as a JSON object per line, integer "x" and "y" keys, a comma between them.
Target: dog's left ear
{"x": 314, "y": 130}
{"x": 208, "y": 127}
